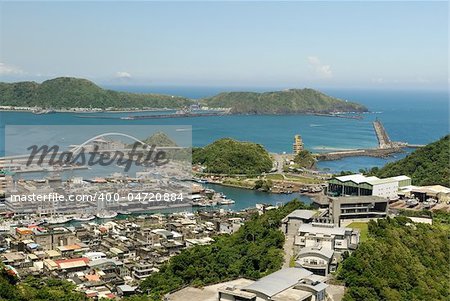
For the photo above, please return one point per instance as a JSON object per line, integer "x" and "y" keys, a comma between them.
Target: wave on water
{"x": 316, "y": 125}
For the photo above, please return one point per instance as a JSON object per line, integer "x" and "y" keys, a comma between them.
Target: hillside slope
{"x": 426, "y": 166}
{"x": 281, "y": 102}
{"x": 69, "y": 92}
{"x": 399, "y": 262}
{"x": 228, "y": 156}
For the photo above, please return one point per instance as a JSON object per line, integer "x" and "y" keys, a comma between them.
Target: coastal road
{"x": 280, "y": 159}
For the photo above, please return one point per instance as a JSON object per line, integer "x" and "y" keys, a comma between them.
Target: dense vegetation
{"x": 399, "y": 262}
{"x": 68, "y": 92}
{"x": 157, "y": 139}
{"x": 36, "y": 289}
{"x": 440, "y": 217}
{"x": 254, "y": 251}
{"x": 428, "y": 165}
{"x": 228, "y": 156}
{"x": 305, "y": 159}
{"x": 280, "y": 102}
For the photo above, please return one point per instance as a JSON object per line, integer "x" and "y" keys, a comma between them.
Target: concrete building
{"x": 229, "y": 226}
{"x": 319, "y": 246}
{"x": 319, "y": 260}
{"x": 284, "y": 285}
{"x": 423, "y": 193}
{"x": 294, "y": 219}
{"x": 51, "y": 239}
{"x": 360, "y": 185}
{"x": 142, "y": 270}
{"x": 357, "y": 207}
{"x": 328, "y": 236}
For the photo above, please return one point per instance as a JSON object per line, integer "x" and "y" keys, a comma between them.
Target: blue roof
{"x": 33, "y": 245}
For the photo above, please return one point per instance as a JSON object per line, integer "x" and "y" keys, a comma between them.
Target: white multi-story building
{"x": 360, "y": 185}
{"x": 320, "y": 246}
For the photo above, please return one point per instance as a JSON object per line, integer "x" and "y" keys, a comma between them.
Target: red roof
{"x": 58, "y": 262}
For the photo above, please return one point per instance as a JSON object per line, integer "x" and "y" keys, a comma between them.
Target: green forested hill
{"x": 426, "y": 166}
{"x": 399, "y": 262}
{"x": 157, "y": 139}
{"x": 228, "y": 156}
{"x": 279, "y": 102}
{"x": 68, "y": 92}
{"x": 254, "y": 251}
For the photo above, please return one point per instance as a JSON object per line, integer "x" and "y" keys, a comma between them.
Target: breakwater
{"x": 385, "y": 148}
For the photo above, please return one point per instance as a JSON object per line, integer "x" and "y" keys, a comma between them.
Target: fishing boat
{"x": 58, "y": 220}
{"x": 106, "y": 214}
{"x": 84, "y": 217}
{"x": 225, "y": 202}
{"x": 201, "y": 181}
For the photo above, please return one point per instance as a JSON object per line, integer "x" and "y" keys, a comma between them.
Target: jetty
{"x": 383, "y": 139}
{"x": 386, "y": 147}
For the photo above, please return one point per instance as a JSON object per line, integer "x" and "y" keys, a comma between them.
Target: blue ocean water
{"x": 417, "y": 117}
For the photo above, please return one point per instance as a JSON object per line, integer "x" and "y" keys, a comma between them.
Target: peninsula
{"x": 289, "y": 101}
{"x": 74, "y": 94}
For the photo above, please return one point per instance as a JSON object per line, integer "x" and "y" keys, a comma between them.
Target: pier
{"x": 383, "y": 139}
{"x": 386, "y": 147}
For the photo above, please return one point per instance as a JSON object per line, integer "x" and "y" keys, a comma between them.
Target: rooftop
{"x": 278, "y": 281}
{"x": 358, "y": 199}
{"x": 302, "y": 214}
{"x": 292, "y": 294}
{"x": 328, "y": 253}
{"x": 357, "y": 178}
{"x": 360, "y": 178}
{"x": 327, "y": 229}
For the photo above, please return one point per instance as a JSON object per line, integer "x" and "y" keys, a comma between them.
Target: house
{"x": 50, "y": 239}
{"x": 319, "y": 246}
{"x": 125, "y": 290}
{"x": 229, "y": 226}
{"x": 326, "y": 235}
{"x": 94, "y": 255}
{"x": 142, "y": 270}
{"x": 66, "y": 265}
{"x": 318, "y": 260}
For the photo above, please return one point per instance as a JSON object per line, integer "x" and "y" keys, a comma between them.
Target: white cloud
{"x": 6, "y": 69}
{"x": 320, "y": 70}
{"x": 123, "y": 75}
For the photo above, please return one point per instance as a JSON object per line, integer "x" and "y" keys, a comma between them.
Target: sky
{"x": 233, "y": 43}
